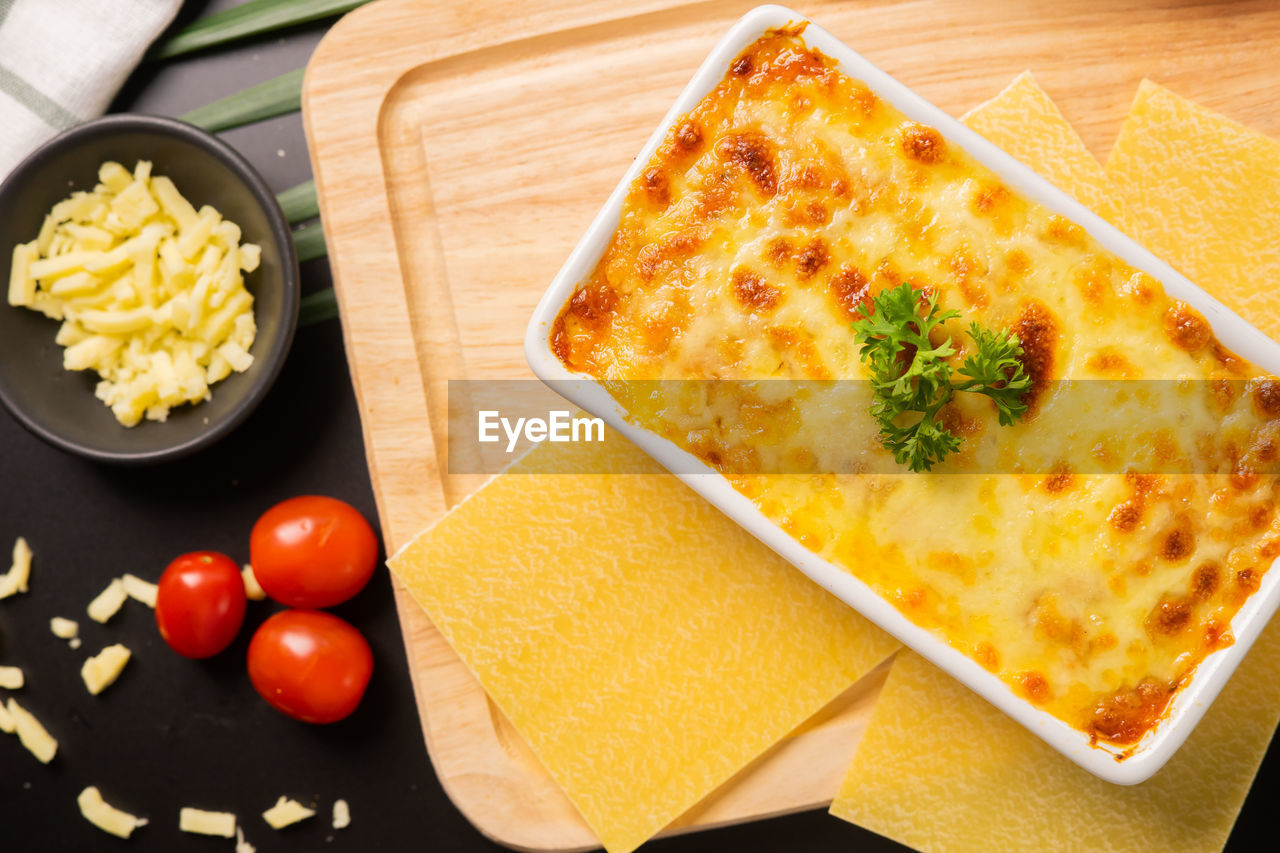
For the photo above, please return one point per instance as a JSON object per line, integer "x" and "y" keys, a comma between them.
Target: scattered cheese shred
{"x": 201, "y": 822}
{"x": 140, "y": 590}
{"x": 341, "y": 814}
{"x": 286, "y": 812}
{"x": 7, "y": 723}
{"x": 107, "y": 817}
{"x": 33, "y": 735}
{"x": 108, "y": 602}
{"x": 19, "y": 574}
{"x": 243, "y": 846}
{"x": 65, "y": 629}
{"x": 10, "y": 677}
{"x": 101, "y": 671}
{"x": 21, "y": 567}
{"x": 251, "y": 586}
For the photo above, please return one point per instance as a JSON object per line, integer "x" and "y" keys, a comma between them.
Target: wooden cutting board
{"x": 460, "y": 149}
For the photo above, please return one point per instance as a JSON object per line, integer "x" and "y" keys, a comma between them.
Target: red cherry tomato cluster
{"x": 307, "y": 552}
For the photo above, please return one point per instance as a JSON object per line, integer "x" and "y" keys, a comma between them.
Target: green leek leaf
{"x": 300, "y": 203}
{"x": 309, "y": 243}
{"x": 249, "y": 19}
{"x": 317, "y": 307}
{"x": 275, "y": 97}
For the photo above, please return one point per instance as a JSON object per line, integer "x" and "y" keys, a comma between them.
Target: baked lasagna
{"x": 1093, "y": 553}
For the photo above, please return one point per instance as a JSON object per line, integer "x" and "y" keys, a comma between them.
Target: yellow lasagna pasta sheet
{"x": 1023, "y": 121}
{"x": 645, "y": 646}
{"x": 936, "y": 757}
{"x": 941, "y": 770}
{"x": 1200, "y": 191}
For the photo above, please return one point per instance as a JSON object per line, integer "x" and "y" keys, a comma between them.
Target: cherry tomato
{"x": 312, "y": 551}
{"x": 310, "y": 665}
{"x": 200, "y": 603}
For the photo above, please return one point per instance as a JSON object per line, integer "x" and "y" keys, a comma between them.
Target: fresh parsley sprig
{"x": 912, "y": 378}
{"x": 995, "y": 370}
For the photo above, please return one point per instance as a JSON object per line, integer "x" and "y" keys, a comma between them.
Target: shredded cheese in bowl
{"x": 150, "y": 291}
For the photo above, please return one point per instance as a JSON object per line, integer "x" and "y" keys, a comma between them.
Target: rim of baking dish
{"x": 1125, "y": 766}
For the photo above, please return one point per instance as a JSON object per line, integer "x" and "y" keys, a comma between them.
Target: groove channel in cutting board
{"x": 458, "y": 168}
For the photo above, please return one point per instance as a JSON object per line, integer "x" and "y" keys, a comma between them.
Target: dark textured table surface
{"x": 174, "y": 732}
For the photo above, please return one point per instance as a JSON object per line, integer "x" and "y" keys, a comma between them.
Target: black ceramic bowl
{"x": 58, "y": 405}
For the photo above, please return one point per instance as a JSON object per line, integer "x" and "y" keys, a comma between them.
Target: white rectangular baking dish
{"x": 1191, "y": 702}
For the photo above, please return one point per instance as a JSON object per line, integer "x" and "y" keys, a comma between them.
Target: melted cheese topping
{"x": 789, "y": 197}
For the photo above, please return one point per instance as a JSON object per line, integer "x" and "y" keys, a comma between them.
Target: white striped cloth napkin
{"x": 62, "y": 61}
